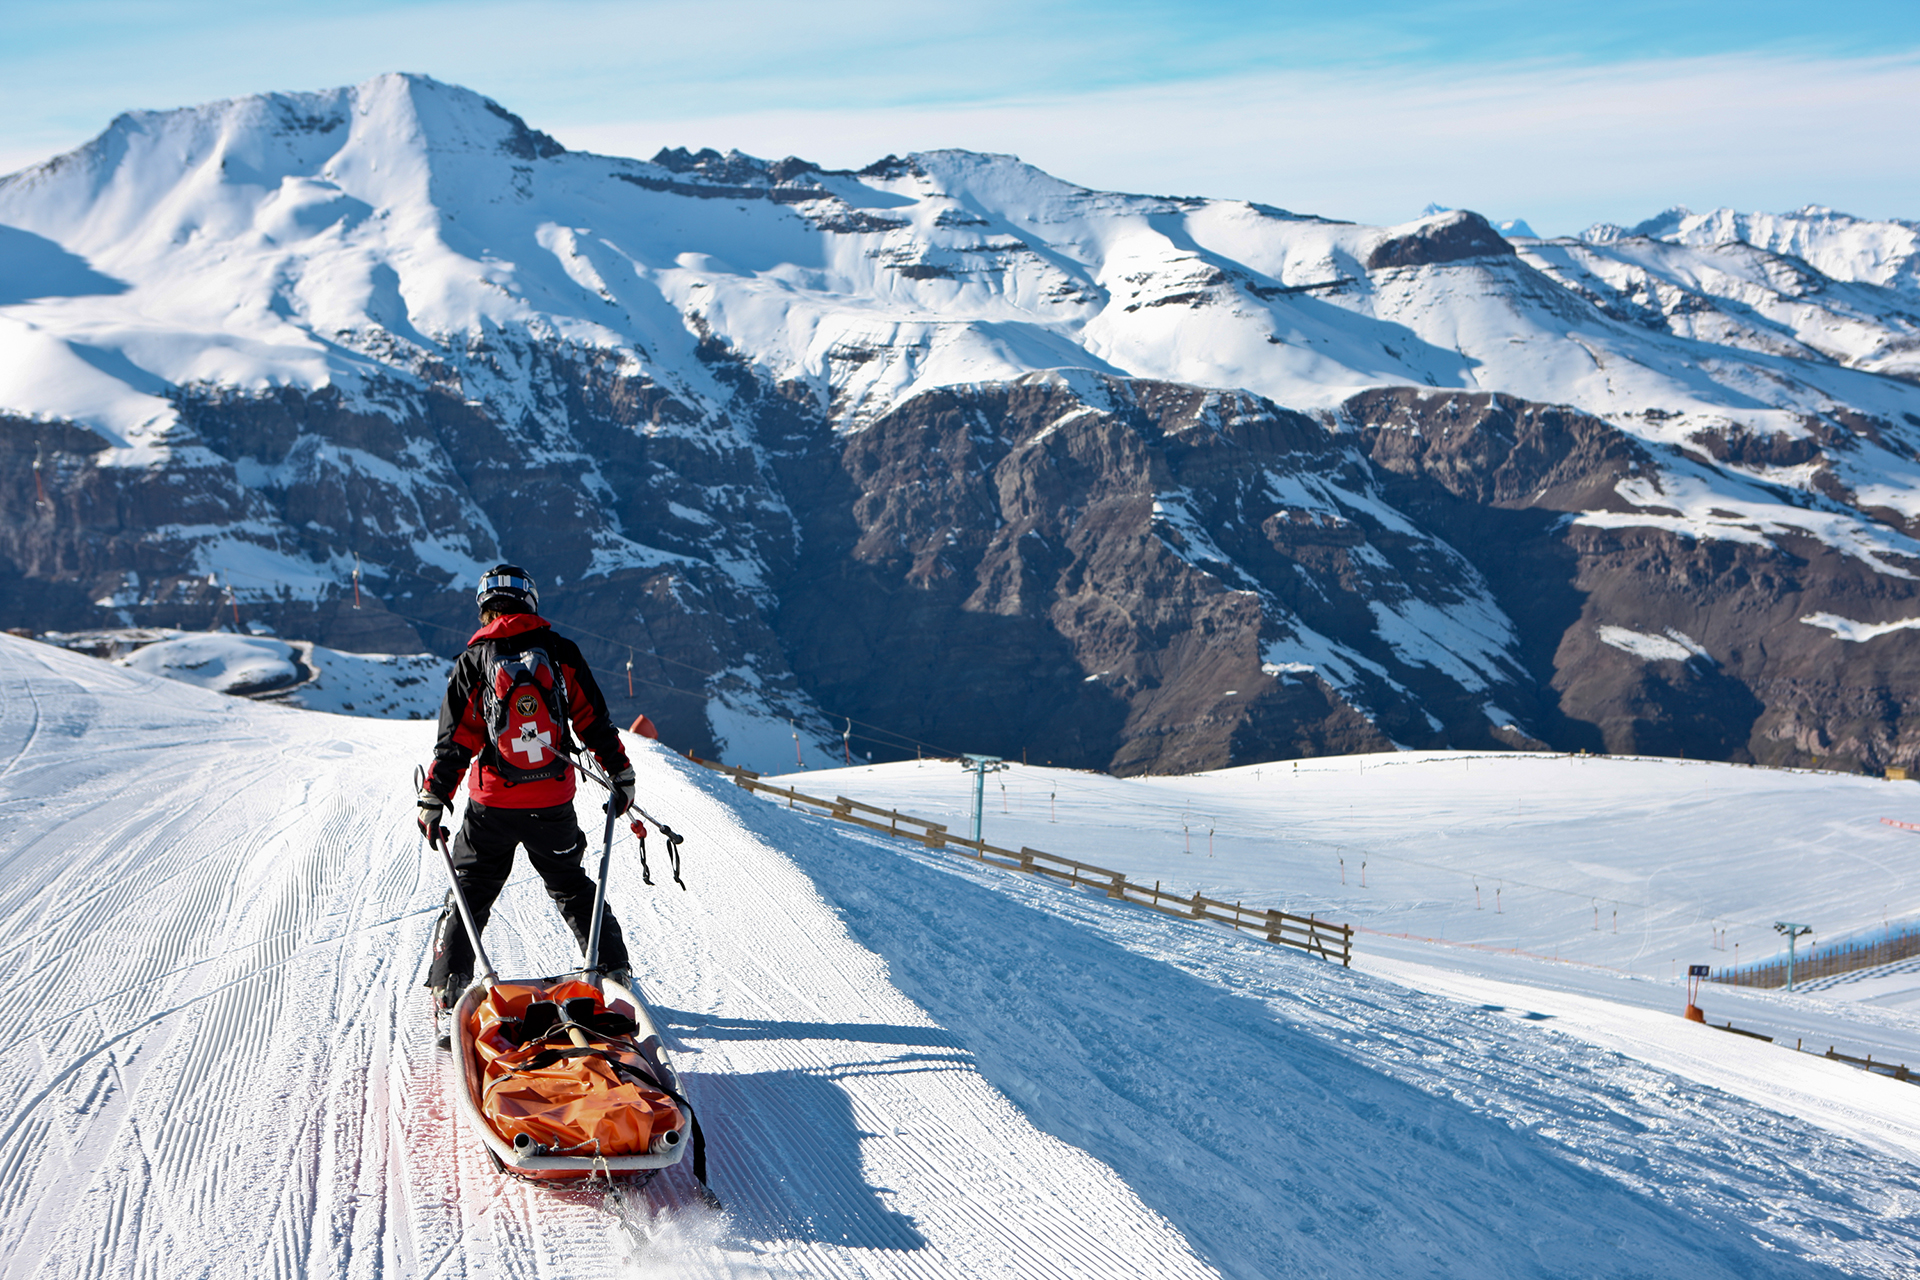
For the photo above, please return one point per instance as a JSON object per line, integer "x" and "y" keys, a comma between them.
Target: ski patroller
{"x": 567, "y": 1078}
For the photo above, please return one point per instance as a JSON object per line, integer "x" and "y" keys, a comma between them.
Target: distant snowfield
{"x": 223, "y": 663}
{"x": 215, "y": 914}
{"x": 385, "y": 685}
{"x": 1634, "y": 864}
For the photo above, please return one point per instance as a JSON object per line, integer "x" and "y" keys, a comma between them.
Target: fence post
{"x": 1274, "y": 925}
{"x": 1118, "y": 889}
{"x": 1197, "y": 910}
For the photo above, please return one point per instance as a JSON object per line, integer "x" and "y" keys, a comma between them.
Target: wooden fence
{"x": 1867, "y": 1064}
{"x": 1826, "y": 962}
{"x": 1897, "y": 1071}
{"x": 1328, "y": 941}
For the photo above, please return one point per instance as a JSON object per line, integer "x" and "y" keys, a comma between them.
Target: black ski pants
{"x": 482, "y": 861}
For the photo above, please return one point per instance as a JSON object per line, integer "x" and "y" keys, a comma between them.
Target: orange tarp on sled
{"x": 576, "y": 1103}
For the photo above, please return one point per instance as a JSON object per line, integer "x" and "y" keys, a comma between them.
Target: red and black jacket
{"x": 463, "y": 736}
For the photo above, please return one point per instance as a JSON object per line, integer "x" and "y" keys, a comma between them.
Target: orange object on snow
{"x": 567, "y": 1078}
{"x": 644, "y": 727}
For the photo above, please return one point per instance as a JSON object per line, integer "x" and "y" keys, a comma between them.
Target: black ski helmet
{"x": 508, "y": 585}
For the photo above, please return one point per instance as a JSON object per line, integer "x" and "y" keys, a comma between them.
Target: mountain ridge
{"x": 1159, "y": 458}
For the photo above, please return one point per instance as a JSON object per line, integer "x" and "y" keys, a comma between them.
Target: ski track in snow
{"x": 216, "y": 914}
{"x": 221, "y": 913}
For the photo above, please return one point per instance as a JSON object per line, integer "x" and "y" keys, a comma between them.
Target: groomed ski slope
{"x": 1636, "y": 864}
{"x": 215, "y": 914}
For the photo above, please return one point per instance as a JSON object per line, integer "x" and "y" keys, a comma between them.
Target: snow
{"x": 1838, "y": 244}
{"x": 1857, "y": 632}
{"x": 909, "y": 1065}
{"x": 1673, "y": 646}
{"x": 224, "y": 663}
{"x": 1697, "y": 501}
{"x": 1734, "y": 294}
{"x": 1675, "y": 862}
{"x": 387, "y": 686}
{"x": 752, "y": 734}
{"x": 1308, "y": 651}
{"x": 1471, "y": 641}
{"x": 297, "y": 673}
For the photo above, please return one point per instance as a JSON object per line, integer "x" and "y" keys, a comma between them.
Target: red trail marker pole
{"x": 1696, "y": 974}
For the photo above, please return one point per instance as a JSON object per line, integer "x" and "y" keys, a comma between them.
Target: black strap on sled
{"x": 544, "y": 1019}
{"x": 547, "y": 1057}
{"x": 647, "y": 1079}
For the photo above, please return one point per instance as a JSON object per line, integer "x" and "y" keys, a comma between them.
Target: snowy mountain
{"x": 1837, "y": 245}
{"x": 1817, "y": 285}
{"x": 908, "y": 1065}
{"x": 950, "y": 446}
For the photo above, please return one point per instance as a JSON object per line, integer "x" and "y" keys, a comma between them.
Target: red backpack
{"x": 524, "y": 709}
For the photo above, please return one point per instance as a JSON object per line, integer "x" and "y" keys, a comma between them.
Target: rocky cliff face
{"x": 1651, "y": 640}
{"x": 947, "y": 454}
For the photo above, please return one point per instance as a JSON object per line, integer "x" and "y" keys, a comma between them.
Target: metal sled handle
{"x": 459, "y": 898}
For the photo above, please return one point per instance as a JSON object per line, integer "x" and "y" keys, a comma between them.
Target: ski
{"x": 442, "y": 1034}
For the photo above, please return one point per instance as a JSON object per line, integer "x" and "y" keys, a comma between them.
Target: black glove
{"x": 623, "y": 789}
{"x": 431, "y": 807}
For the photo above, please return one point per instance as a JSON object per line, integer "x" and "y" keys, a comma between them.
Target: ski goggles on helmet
{"x": 508, "y": 584}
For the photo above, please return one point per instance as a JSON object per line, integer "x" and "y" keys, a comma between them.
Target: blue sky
{"x": 1563, "y": 114}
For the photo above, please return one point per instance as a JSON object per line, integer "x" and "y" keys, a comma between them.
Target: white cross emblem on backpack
{"x": 535, "y": 743}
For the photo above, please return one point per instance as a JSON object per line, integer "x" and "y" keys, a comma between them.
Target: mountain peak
{"x": 1838, "y": 244}
{"x": 1664, "y": 223}
{"x": 450, "y": 116}
{"x": 397, "y": 107}
{"x": 1452, "y": 235}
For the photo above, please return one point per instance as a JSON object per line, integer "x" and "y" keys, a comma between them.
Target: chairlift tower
{"x": 980, "y": 767}
{"x": 1793, "y": 933}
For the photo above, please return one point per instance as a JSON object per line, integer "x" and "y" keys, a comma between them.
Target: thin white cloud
{"x": 1560, "y": 146}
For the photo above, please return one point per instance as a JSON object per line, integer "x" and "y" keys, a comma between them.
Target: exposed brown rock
{"x": 1090, "y": 577}
{"x": 1457, "y": 237}
{"x": 1775, "y": 690}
